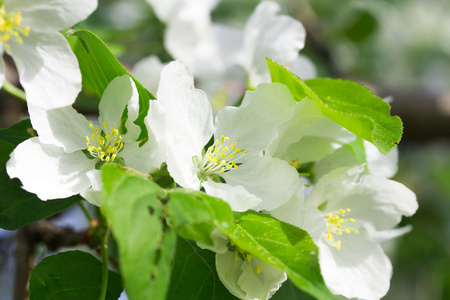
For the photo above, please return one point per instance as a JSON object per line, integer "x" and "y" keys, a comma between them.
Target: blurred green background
{"x": 398, "y": 48}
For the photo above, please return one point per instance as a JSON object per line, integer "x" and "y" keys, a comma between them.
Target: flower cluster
{"x": 251, "y": 156}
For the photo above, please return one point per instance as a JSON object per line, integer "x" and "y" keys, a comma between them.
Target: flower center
{"x": 337, "y": 225}
{"x": 219, "y": 158}
{"x": 10, "y": 27}
{"x": 104, "y": 145}
{"x": 245, "y": 256}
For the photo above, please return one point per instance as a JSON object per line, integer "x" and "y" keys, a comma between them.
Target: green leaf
{"x": 17, "y": 133}
{"x": 194, "y": 214}
{"x": 283, "y": 246}
{"x": 71, "y": 275}
{"x": 347, "y": 103}
{"x": 133, "y": 206}
{"x": 290, "y": 291}
{"x": 99, "y": 67}
{"x": 194, "y": 275}
{"x": 18, "y": 207}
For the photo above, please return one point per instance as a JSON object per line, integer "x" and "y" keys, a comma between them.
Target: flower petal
{"x": 303, "y": 67}
{"x": 51, "y": 15}
{"x": 48, "y": 171}
{"x": 121, "y": 92}
{"x": 272, "y": 180}
{"x": 94, "y": 194}
{"x": 188, "y": 122}
{"x": 229, "y": 272}
{"x": 48, "y": 69}
{"x": 262, "y": 285}
{"x": 303, "y": 215}
{"x": 148, "y": 71}
{"x": 320, "y": 139}
{"x": 291, "y": 130}
{"x": 254, "y": 124}
{"x": 237, "y": 197}
{"x": 269, "y": 35}
{"x": 375, "y": 200}
{"x": 143, "y": 159}
{"x": 360, "y": 269}
{"x": 384, "y": 165}
{"x": 63, "y": 127}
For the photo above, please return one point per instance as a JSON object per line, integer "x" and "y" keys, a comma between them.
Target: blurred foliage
{"x": 421, "y": 263}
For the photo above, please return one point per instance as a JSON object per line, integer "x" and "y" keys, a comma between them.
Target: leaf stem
{"x": 105, "y": 257}
{"x": 13, "y": 90}
{"x": 86, "y": 213}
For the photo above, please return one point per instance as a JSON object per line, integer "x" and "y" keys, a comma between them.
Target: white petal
{"x": 360, "y": 269}
{"x": 291, "y": 130}
{"x": 166, "y": 10}
{"x": 303, "y": 67}
{"x": 48, "y": 69}
{"x": 63, "y": 127}
{"x": 254, "y": 124}
{"x": 229, "y": 272}
{"x": 48, "y": 171}
{"x": 51, "y": 15}
{"x": 120, "y": 93}
{"x": 268, "y": 35}
{"x": 143, "y": 159}
{"x": 94, "y": 194}
{"x": 384, "y": 165}
{"x": 262, "y": 285}
{"x": 237, "y": 197}
{"x": 220, "y": 242}
{"x": 320, "y": 139}
{"x": 375, "y": 200}
{"x": 303, "y": 215}
{"x": 272, "y": 180}
{"x": 188, "y": 122}
{"x": 148, "y": 71}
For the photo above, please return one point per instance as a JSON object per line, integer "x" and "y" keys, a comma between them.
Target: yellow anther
{"x": 342, "y": 211}
{"x": 104, "y": 146}
{"x": 338, "y": 245}
{"x": 231, "y": 155}
{"x": 349, "y": 210}
{"x": 258, "y": 270}
{"x": 11, "y": 29}
{"x": 104, "y": 124}
{"x": 347, "y": 230}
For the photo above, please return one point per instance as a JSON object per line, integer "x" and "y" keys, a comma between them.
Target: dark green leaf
{"x": 71, "y": 275}
{"x": 99, "y": 67}
{"x": 133, "y": 206}
{"x": 19, "y": 208}
{"x": 347, "y": 103}
{"x": 194, "y": 275}
{"x": 283, "y": 246}
{"x": 290, "y": 291}
{"x": 17, "y": 133}
{"x": 194, "y": 214}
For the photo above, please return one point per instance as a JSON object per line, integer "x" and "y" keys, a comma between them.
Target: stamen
{"x": 244, "y": 256}
{"x": 104, "y": 146}
{"x": 219, "y": 158}
{"x": 10, "y": 28}
{"x": 337, "y": 225}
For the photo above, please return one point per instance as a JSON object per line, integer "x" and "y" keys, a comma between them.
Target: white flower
{"x": 357, "y": 211}
{"x": 48, "y": 69}
{"x": 70, "y": 165}
{"x": 215, "y": 53}
{"x": 232, "y": 167}
{"x": 244, "y": 275}
{"x": 268, "y": 35}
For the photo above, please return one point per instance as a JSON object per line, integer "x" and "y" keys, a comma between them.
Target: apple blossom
{"x": 71, "y": 165}
{"x": 48, "y": 69}
{"x": 244, "y": 275}
{"x": 358, "y": 211}
{"x": 232, "y": 167}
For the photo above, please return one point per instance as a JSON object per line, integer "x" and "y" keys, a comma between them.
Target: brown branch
{"x": 28, "y": 237}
